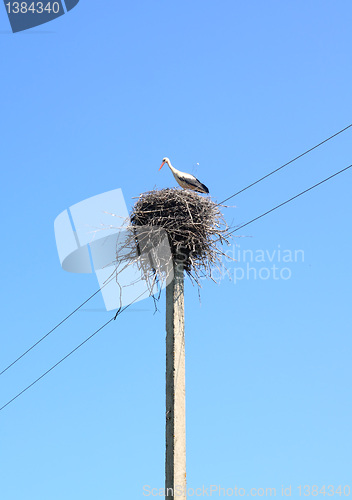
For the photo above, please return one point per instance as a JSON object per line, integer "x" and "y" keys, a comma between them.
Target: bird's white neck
{"x": 173, "y": 169}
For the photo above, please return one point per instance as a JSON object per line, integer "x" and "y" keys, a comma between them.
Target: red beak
{"x": 163, "y": 163}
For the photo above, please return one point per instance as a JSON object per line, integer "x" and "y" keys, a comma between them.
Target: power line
{"x": 120, "y": 311}
{"x": 51, "y": 331}
{"x": 54, "y": 366}
{"x": 226, "y": 199}
{"x": 123, "y": 309}
{"x": 293, "y": 197}
{"x": 285, "y": 165}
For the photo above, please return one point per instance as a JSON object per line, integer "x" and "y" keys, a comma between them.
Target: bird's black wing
{"x": 198, "y": 186}
{"x": 206, "y": 190}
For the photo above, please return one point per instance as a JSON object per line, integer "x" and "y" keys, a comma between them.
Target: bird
{"x": 187, "y": 181}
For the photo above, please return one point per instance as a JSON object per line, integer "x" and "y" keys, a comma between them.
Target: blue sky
{"x": 92, "y": 102}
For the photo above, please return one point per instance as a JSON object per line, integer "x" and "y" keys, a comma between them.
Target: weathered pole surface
{"x": 175, "y": 458}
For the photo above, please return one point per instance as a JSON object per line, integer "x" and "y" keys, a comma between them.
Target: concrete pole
{"x": 175, "y": 458}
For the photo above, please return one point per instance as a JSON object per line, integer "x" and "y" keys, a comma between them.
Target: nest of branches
{"x": 192, "y": 224}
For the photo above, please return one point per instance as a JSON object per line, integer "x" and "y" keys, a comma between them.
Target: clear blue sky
{"x": 92, "y": 102}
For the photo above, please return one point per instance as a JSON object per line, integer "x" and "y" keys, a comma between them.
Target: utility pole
{"x": 175, "y": 457}
{"x": 193, "y": 225}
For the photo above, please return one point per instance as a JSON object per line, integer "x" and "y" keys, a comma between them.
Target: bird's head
{"x": 165, "y": 160}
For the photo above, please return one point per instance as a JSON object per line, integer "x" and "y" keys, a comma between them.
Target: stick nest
{"x": 193, "y": 224}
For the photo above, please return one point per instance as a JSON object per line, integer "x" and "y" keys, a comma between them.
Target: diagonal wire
{"x": 54, "y": 366}
{"x": 285, "y": 165}
{"x": 51, "y": 331}
{"x": 293, "y": 198}
{"x": 120, "y": 311}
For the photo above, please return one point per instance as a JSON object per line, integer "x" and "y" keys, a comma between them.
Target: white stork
{"x": 187, "y": 181}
